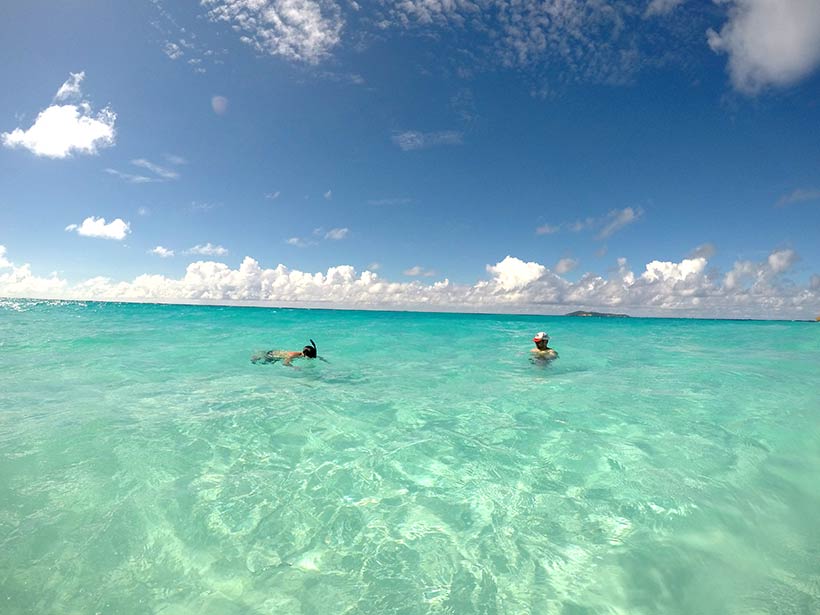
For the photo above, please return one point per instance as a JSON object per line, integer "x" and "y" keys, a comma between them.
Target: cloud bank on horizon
{"x": 685, "y": 288}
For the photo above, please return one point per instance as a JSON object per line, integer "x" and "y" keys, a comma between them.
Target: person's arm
{"x": 291, "y": 356}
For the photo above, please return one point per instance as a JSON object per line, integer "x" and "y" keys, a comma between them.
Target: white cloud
{"x": 609, "y": 224}
{"x": 173, "y": 51}
{"x": 160, "y": 173}
{"x": 155, "y": 168}
{"x": 162, "y": 252}
{"x": 418, "y": 271}
{"x": 174, "y": 159}
{"x": 674, "y": 272}
{"x": 618, "y": 219}
{"x": 760, "y": 276}
{"x": 304, "y": 30}
{"x": 664, "y": 289}
{"x": 4, "y": 262}
{"x": 337, "y": 233}
{"x": 299, "y": 242}
{"x": 71, "y": 88}
{"x": 328, "y": 195}
{"x": 413, "y": 140}
{"x": 62, "y": 130}
{"x": 565, "y": 265}
{"x": 782, "y": 260}
{"x": 272, "y": 195}
{"x": 800, "y": 195}
{"x": 97, "y": 227}
{"x": 769, "y": 42}
{"x": 706, "y": 250}
{"x": 207, "y": 249}
{"x": 586, "y": 39}
{"x": 661, "y": 7}
{"x": 547, "y": 229}
{"x": 582, "y": 225}
{"x": 131, "y": 178}
{"x": 513, "y": 273}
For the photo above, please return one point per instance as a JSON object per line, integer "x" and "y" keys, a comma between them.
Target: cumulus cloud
{"x": 97, "y": 227}
{"x": 162, "y": 252}
{"x": 782, "y": 260}
{"x": 513, "y": 273}
{"x": 207, "y": 249}
{"x": 328, "y": 195}
{"x": 61, "y": 130}
{"x": 302, "y": 30}
{"x": 685, "y": 288}
{"x": 769, "y": 42}
{"x": 413, "y": 140}
{"x": 760, "y": 275}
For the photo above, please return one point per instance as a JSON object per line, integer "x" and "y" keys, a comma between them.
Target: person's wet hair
{"x": 310, "y": 351}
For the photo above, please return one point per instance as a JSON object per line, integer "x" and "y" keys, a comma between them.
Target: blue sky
{"x": 657, "y": 158}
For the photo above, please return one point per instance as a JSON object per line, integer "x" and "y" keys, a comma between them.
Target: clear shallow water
{"x": 659, "y": 466}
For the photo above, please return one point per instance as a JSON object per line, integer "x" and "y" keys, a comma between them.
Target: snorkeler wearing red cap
{"x": 542, "y": 350}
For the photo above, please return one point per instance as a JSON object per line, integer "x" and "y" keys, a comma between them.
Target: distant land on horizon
{"x": 598, "y": 314}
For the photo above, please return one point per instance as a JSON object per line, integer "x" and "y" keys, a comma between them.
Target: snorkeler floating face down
{"x": 287, "y": 356}
{"x": 310, "y": 351}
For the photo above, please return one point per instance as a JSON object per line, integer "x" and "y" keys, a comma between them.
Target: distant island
{"x": 598, "y": 314}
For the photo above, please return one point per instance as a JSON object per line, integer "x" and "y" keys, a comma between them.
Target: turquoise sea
{"x": 658, "y": 466}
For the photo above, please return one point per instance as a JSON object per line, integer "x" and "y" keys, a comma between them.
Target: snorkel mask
{"x": 310, "y": 351}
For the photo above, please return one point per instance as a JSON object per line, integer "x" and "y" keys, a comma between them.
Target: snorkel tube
{"x": 310, "y": 351}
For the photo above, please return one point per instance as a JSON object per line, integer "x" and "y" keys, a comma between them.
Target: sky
{"x": 651, "y": 157}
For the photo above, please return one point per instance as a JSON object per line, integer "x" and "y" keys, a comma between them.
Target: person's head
{"x": 541, "y": 339}
{"x": 310, "y": 351}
